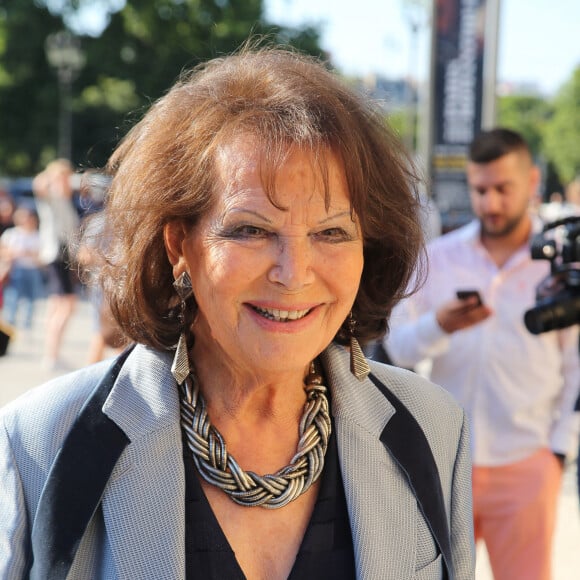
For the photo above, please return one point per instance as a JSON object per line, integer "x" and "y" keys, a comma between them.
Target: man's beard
{"x": 503, "y": 229}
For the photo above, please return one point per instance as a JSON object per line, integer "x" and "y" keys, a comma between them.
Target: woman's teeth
{"x": 281, "y": 315}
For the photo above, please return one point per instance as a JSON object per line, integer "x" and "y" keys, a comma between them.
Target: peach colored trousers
{"x": 514, "y": 510}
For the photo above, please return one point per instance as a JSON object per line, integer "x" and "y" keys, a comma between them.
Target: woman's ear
{"x": 174, "y": 235}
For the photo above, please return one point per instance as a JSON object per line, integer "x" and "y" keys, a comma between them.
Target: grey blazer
{"x": 409, "y": 503}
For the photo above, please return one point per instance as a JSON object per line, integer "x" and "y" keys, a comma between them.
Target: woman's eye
{"x": 333, "y": 235}
{"x": 248, "y": 231}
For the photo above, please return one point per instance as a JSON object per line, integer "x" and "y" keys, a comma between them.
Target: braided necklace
{"x": 246, "y": 488}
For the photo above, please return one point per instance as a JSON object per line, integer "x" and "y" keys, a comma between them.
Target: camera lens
{"x": 553, "y": 315}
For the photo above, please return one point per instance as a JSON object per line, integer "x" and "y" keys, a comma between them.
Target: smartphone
{"x": 464, "y": 294}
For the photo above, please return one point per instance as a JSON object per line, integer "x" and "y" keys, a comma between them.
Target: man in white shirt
{"x": 518, "y": 388}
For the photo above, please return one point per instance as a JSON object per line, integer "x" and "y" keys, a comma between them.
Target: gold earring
{"x": 180, "y": 366}
{"x": 359, "y": 366}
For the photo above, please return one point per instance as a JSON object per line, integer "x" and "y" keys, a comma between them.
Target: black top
{"x": 326, "y": 550}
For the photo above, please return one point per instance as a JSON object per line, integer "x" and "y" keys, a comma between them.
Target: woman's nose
{"x": 292, "y": 266}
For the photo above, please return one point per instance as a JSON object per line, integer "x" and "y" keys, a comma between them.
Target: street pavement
{"x": 20, "y": 370}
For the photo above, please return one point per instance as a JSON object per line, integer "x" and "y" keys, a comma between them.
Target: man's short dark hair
{"x": 495, "y": 143}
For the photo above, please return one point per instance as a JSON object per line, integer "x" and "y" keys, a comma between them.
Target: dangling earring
{"x": 359, "y": 366}
{"x": 180, "y": 366}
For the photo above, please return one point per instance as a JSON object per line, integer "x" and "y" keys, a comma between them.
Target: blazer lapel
{"x": 402, "y": 434}
{"x": 381, "y": 510}
{"x": 144, "y": 509}
{"x": 124, "y": 451}
{"x": 75, "y": 483}
{"x": 368, "y": 420}
{"x": 144, "y": 504}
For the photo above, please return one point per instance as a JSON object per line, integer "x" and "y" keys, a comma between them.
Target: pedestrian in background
{"x": 518, "y": 388}
{"x": 20, "y": 248}
{"x": 6, "y": 221}
{"x": 58, "y": 223}
{"x": 7, "y": 207}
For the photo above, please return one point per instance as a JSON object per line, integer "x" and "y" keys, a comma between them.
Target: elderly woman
{"x": 262, "y": 225}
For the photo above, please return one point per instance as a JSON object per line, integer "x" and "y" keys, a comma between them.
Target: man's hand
{"x": 459, "y": 314}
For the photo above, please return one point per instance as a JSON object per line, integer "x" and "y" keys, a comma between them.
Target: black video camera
{"x": 558, "y": 295}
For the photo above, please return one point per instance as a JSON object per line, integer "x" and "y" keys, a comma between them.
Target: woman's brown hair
{"x": 164, "y": 170}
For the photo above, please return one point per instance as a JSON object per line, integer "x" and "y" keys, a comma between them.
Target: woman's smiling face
{"x": 273, "y": 286}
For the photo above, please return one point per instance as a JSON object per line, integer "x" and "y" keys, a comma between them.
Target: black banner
{"x": 457, "y": 83}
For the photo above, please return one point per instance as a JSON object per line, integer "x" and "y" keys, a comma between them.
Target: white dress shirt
{"x": 518, "y": 389}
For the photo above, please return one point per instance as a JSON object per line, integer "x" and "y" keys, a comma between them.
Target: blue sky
{"x": 538, "y": 39}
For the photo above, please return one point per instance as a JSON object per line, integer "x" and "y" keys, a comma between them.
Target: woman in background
{"x": 58, "y": 224}
{"x": 20, "y": 247}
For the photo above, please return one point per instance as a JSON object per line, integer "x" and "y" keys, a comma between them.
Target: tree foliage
{"x": 551, "y": 127}
{"x": 28, "y": 89}
{"x": 562, "y": 134}
{"x": 141, "y": 52}
{"x": 526, "y": 114}
{"x": 145, "y": 46}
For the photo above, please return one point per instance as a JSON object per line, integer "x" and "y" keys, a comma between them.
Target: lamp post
{"x": 63, "y": 52}
{"x": 414, "y": 13}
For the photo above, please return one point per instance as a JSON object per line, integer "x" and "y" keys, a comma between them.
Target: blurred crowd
{"x": 47, "y": 250}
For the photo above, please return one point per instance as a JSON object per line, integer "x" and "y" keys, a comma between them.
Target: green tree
{"x": 141, "y": 52}
{"x": 562, "y": 132}
{"x": 28, "y": 90}
{"x": 528, "y": 115}
{"x": 144, "y": 49}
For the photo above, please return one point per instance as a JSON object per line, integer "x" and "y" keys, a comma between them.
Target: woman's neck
{"x": 245, "y": 393}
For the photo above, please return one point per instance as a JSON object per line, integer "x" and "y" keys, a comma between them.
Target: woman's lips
{"x": 280, "y": 314}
